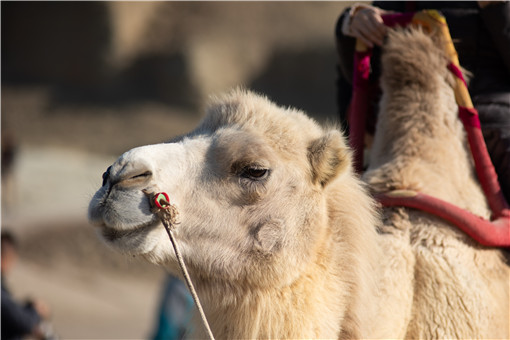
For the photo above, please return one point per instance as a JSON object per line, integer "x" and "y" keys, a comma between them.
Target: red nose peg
{"x": 161, "y": 200}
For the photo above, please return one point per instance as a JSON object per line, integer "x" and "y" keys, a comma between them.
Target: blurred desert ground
{"x": 83, "y": 82}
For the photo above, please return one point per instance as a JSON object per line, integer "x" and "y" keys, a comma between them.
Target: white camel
{"x": 282, "y": 240}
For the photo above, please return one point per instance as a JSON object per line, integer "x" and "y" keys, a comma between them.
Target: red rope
{"x": 483, "y": 163}
{"x": 488, "y": 233}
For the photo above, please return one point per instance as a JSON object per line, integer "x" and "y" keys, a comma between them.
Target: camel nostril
{"x": 106, "y": 175}
{"x": 146, "y": 174}
{"x": 136, "y": 178}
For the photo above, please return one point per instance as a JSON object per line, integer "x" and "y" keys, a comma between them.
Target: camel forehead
{"x": 232, "y": 143}
{"x": 283, "y": 128}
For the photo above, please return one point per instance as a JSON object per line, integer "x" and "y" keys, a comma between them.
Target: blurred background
{"x": 82, "y": 82}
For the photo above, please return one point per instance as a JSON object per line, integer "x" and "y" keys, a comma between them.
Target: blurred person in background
{"x": 480, "y": 31}
{"x": 19, "y": 320}
{"x": 9, "y": 152}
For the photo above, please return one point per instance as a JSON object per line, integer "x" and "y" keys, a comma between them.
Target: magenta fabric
{"x": 398, "y": 19}
{"x": 361, "y": 68}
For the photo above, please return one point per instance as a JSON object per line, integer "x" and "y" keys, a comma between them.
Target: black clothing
{"x": 482, "y": 40}
{"x": 18, "y": 321}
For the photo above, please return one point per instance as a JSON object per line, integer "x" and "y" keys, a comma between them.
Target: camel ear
{"x": 329, "y": 157}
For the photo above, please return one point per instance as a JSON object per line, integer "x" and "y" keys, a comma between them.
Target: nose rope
{"x": 167, "y": 212}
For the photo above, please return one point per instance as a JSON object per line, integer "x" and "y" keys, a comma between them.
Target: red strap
{"x": 358, "y": 109}
{"x": 456, "y": 72}
{"x": 483, "y": 164}
{"x": 486, "y": 173}
{"x": 488, "y": 233}
{"x": 469, "y": 117}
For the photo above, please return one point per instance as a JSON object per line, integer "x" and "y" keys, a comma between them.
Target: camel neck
{"x": 420, "y": 145}
{"x": 288, "y": 312}
{"x": 417, "y": 128}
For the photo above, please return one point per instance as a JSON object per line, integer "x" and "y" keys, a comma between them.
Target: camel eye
{"x": 254, "y": 173}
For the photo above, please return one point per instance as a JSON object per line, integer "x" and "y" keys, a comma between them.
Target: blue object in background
{"x": 175, "y": 311}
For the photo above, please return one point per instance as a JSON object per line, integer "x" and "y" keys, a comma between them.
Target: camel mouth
{"x": 113, "y": 235}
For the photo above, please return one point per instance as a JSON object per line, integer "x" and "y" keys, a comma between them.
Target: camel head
{"x": 248, "y": 184}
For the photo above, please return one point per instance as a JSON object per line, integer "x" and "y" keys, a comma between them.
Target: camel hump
{"x": 412, "y": 58}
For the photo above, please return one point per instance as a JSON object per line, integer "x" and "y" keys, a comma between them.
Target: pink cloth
{"x": 398, "y": 19}
{"x": 361, "y": 68}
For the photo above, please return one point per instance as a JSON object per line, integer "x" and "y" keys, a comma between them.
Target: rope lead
{"x": 168, "y": 215}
